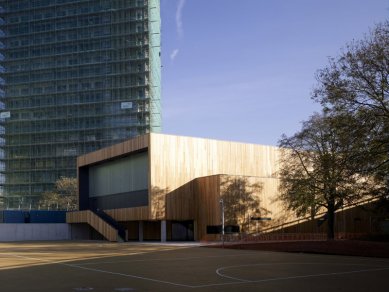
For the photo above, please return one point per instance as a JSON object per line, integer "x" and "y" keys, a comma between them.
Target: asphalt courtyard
{"x": 101, "y": 266}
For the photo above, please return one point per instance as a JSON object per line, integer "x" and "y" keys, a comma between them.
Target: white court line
{"x": 164, "y": 259}
{"x": 218, "y": 271}
{"x": 238, "y": 281}
{"x": 105, "y": 272}
{"x": 129, "y": 276}
{"x": 243, "y": 281}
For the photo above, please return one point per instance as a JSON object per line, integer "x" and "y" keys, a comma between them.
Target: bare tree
{"x": 63, "y": 197}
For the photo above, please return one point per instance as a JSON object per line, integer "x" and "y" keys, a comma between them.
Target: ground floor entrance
{"x": 159, "y": 230}
{"x": 181, "y": 230}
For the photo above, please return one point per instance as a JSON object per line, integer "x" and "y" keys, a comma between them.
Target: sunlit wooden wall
{"x": 199, "y": 200}
{"x": 177, "y": 160}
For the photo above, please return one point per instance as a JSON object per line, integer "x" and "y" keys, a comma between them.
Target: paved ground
{"x": 335, "y": 247}
{"x": 100, "y": 266}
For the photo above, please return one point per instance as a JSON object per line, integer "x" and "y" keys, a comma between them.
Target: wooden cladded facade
{"x": 187, "y": 177}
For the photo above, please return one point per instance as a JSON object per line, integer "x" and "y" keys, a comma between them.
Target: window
{"x": 37, "y": 90}
{"x": 14, "y": 19}
{"x": 73, "y": 86}
{"x": 38, "y": 16}
{"x": 61, "y": 88}
{"x": 37, "y": 41}
{"x": 14, "y": 43}
{"x": 61, "y": 13}
{"x": 48, "y": 15}
{"x": 86, "y": 86}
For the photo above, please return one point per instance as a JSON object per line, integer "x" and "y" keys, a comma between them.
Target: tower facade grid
{"x": 75, "y": 76}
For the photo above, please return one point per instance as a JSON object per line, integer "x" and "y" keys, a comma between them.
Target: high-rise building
{"x": 75, "y": 76}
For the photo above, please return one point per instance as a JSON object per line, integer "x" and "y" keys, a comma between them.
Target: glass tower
{"x": 75, "y": 76}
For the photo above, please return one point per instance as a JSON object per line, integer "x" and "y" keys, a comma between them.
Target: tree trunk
{"x": 331, "y": 221}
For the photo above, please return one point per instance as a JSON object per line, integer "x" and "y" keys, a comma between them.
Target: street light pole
{"x": 222, "y": 211}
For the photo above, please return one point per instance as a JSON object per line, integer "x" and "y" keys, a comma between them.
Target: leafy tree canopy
{"x": 358, "y": 82}
{"x": 342, "y": 155}
{"x": 319, "y": 163}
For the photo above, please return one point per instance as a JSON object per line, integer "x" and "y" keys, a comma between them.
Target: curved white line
{"x": 220, "y": 274}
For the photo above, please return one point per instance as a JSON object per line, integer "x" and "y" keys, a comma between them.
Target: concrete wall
{"x": 34, "y": 231}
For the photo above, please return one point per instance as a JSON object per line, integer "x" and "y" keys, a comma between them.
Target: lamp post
{"x": 222, "y": 211}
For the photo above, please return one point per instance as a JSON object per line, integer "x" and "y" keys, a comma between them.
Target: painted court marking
{"x": 218, "y": 272}
{"x": 164, "y": 259}
{"x": 105, "y": 272}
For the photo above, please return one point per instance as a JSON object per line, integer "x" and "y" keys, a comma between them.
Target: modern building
{"x": 75, "y": 76}
{"x": 168, "y": 188}
{"x": 164, "y": 187}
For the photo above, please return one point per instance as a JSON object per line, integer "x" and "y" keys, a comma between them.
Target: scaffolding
{"x": 75, "y": 76}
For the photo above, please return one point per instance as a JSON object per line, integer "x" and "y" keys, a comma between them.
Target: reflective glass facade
{"x": 75, "y": 76}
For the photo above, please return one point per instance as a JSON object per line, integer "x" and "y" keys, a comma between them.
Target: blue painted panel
{"x": 13, "y": 216}
{"x": 47, "y": 216}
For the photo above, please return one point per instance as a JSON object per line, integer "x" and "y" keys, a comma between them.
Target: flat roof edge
{"x": 123, "y": 148}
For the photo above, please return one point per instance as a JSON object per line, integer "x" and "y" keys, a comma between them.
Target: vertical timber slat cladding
{"x": 175, "y": 161}
{"x": 93, "y": 220}
{"x": 200, "y": 200}
{"x": 126, "y": 214}
{"x": 181, "y": 203}
{"x": 208, "y": 205}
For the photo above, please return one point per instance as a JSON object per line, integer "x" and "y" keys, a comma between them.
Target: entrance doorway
{"x": 182, "y": 230}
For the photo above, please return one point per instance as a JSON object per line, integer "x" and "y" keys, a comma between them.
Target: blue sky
{"x": 244, "y": 70}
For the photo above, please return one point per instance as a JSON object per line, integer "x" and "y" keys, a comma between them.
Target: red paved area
{"x": 335, "y": 247}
